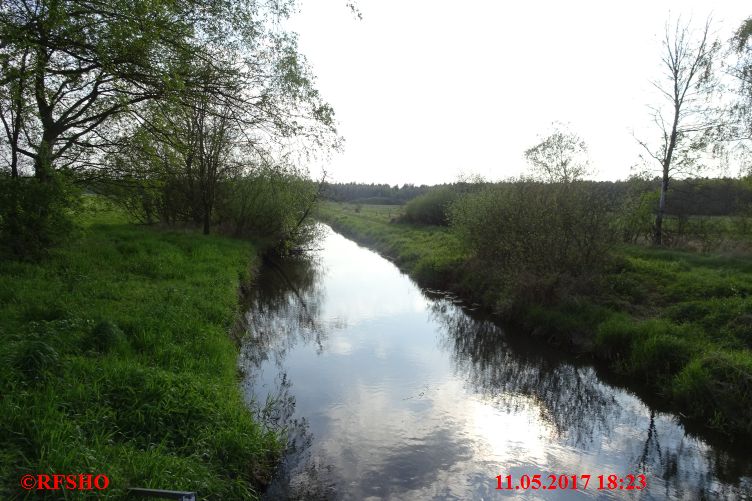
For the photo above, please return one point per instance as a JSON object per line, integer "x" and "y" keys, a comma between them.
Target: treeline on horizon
{"x": 687, "y": 197}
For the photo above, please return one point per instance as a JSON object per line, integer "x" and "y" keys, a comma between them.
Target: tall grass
{"x": 117, "y": 361}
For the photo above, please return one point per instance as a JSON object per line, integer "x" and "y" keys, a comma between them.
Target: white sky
{"x": 424, "y": 90}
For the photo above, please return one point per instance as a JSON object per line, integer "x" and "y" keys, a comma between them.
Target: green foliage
{"x": 270, "y": 203}
{"x": 659, "y": 356}
{"x": 637, "y": 215}
{"x": 560, "y": 157}
{"x": 262, "y": 201}
{"x": 542, "y": 240}
{"x": 652, "y": 350}
{"x": 431, "y": 207}
{"x": 174, "y": 100}
{"x": 540, "y": 228}
{"x": 742, "y": 43}
{"x": 104, "y": 336}
{"x": 118, "y": 361}
{"x": 615, "y": 336}
{"x": 35, "y": 359}
{"x": 34, "y": 215}
{"x": 689, "y": 197}
{"x": 717, "y": 389}
{"x": 372, "y": 194}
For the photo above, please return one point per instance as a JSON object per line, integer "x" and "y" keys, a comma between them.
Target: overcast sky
{"x": 426, "y": 90}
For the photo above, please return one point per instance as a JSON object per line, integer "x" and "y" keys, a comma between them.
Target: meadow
{"x": 117, "y": 360}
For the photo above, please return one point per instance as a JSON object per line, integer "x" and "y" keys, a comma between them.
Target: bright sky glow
{"x": 425, "y": 90}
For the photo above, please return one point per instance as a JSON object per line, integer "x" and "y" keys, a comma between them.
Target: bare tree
{"x": 685, "y": 118}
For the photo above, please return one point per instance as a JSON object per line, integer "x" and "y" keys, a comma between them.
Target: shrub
{"x": 269, "y": 203}
{"x": 637, "y": 216}
{"x": 430, "y": 208}
{"x": 34, "y": 214}
{"x": 535, "y": 228}
{"x": 541, "y": 242}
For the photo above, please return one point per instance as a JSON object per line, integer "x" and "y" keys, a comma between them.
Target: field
{"x": 117, "y": 361}
{"x": 678, "y": 322}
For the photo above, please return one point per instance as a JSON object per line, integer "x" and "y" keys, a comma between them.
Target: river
{"x": 390, "y": 391}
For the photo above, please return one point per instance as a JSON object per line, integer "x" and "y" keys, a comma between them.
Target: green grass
{"x": 676, "y": 322}
{"x": 117, "y": 360}
{"x": 732, "y": 234}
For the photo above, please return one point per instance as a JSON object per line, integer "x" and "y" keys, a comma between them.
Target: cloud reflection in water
{"x": 387, "y": 392}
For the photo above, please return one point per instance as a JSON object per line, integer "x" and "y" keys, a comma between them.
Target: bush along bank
{"x": 117, "y": 361}
{"x": 676, "y": 322}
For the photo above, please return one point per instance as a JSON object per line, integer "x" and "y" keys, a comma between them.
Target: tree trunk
{"x": 658, "y": 235}
{"x": 43, "y": 161}
{"x": 13, "y": 162}
{"x": 207, "y": 221}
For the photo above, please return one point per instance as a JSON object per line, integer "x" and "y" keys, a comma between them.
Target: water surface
{"x": 392, "y": 392}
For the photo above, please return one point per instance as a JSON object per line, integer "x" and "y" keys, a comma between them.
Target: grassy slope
{"x": 117, "y": 360}
{"x": 679, "y": 322}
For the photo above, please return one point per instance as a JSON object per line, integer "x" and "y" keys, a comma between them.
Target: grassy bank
{"x": 678, "y": 322}
{"x": 117, "y": 360}
{"x": 428, "y": 253}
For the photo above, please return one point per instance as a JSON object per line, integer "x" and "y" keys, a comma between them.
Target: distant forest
{"x": 697, "y": 196}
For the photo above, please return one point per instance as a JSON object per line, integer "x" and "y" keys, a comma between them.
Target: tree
{"x": 210, "y": 134}
{"x": 79, "y": 78}
{"x": 686, "y": 119}
{"x": 201, "y": 139}
{"x": 78, "y": 65}
{"x": 71, "y": 71}
{"x": 741, "y": 131}
{"x": 561, "y": 157}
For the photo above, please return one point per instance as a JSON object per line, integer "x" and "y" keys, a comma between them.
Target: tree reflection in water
{"x": 570, "y": 399}
{"x": 581, "y": 410}
{"x": 285, "y": 310}
{"x": 284, "y": 307}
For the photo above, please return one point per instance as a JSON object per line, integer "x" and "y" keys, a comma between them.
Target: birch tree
{"x": 685, "y": 119}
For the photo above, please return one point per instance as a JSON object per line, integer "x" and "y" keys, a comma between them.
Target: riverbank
{"x": 677, "y": 322}
{"x": 117, "y": 361}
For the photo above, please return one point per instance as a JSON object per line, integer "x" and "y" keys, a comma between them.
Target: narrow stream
{"x": 392, "y": 392}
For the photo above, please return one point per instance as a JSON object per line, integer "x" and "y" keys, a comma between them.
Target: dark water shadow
{"x": 580, "y": 406}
